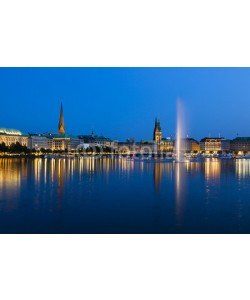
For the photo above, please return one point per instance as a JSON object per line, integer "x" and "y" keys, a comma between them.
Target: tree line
{"x": 14, "y": 148}
{"x": 17, "y": 148}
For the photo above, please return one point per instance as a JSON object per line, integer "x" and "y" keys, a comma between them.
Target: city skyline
{"x": 90, "y": 98}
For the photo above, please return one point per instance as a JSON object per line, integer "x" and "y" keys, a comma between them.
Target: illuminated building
{"x": 241, "y": 144}
{"x": 193, "y": 145}
{"x": 131, "y": 147}
{"x": 98, "y": 141}
{"x": 214, "y": 145}
{"x": 158, "y": 144}
{"x": 157, "y": 136}
{"x": 167, "y": 145}
{"x": 58, "y": 142}
{"x": 12, "y": 136}
{"x": 127, "y": 147}
{"x": 38, "y": 141}
{"x": 62, "y": 141}
{"x": 61, "y": 126}
{"x": 164, "y": 144}
{"x": 190, "y": 145}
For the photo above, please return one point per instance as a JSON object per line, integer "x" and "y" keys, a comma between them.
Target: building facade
{"x": 12, "y": 136}
{"x": 189, "y": 145}
{"x": 240, "y": 144}
{"x": 98, "y": 141}
{"x": 38, "y": 142}
{"x": 166, "y": 145}
{"x": 59, "y": 142}
{"x": 214, "y": 145}
{"x": 157, "y": 135}
{"x": 132, "y": 147}
{"x": 163, "y": 144}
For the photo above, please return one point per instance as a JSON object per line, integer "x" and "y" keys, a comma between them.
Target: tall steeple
{"x": 157, "y": 132}
{"x": 61, "y": 127}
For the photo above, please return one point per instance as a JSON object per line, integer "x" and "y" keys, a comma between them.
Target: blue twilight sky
{"x": 123, "y": 102}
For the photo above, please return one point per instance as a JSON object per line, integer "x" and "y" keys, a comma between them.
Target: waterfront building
{"x": 13, "y": 136}
{"x": 38, "y": 141}
{"x": 149, "y": 147}
{"x": 127, "y": 147}
{"x": 157, "y": 145}
{"x": 214, "y": 145}
{"x": 57, "y": 142}
{"x": 193, "y": 145}
{"x": 98, "y": 141}
{"x": 62, "y": 142}
{"x": 190, "y": 145}
{"x": 132, "y": 147}
{"x": 166, "y": 145}
{"x": 240, "y": 144}
{"x": 74, "y": 143}
{"x": 157, "y": 135}
{"x": 163, "y": 144}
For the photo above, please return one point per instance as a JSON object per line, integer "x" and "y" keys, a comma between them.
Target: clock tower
{"x": 157, "y": 132}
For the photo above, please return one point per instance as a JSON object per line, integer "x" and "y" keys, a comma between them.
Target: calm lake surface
{"x": 120, "y": 196}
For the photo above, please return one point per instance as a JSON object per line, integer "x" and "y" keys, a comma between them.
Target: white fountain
{"x": 179, "y": 146}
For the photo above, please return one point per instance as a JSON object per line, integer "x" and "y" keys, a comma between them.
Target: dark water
{"x": 121, "y": 196}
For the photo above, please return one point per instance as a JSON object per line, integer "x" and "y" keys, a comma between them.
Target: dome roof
{"x": 10, "y": 131}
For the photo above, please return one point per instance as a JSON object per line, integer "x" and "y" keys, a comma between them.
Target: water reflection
{"x": 212, "y": 168}
{"x": 14, "y": 172}
{"x": 116, "y": 191}
{"x": 11, "y": 174}
{"x": 242, "y": 168}
{"x": 158, "y": 172}
{"x": 180, "y": 190}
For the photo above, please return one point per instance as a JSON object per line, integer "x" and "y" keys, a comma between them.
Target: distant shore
{"x": 138, "y": 156}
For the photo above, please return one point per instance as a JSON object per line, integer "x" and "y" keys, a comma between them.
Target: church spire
{"x": 61, "y": 127}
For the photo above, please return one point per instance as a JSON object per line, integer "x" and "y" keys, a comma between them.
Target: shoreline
{"x": 137, "y": 157}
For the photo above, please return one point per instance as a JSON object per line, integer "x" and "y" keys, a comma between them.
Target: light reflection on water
{"x": 180, "y": 189}
{"x": 242, "y": 168}
{"x": 115, "y": 195}
{"x": 212, "y": 169}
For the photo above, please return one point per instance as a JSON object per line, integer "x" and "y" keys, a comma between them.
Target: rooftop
{"x": 212, "y": 138}
{"x": 92, "y": 137}
{"x": 10, "y": 131}
{"x": 59, "y": 136}
{"x": 242, "y": 139}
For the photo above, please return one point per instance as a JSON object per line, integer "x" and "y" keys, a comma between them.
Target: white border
{"x": 124, "y": 33}
{"x": 124, "y": 267}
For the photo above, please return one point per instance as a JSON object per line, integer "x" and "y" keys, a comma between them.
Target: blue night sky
{"x": 123, "y": 102}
